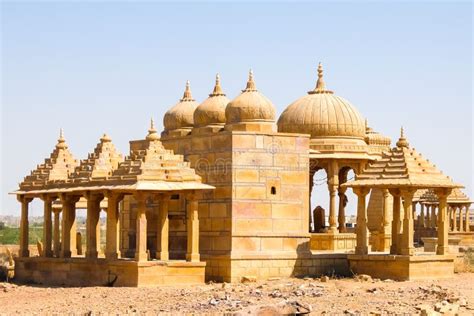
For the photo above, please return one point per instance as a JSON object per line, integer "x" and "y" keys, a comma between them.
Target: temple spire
{"x": 61, "y": 140}
{"x": 402, "y": 141}
{"x": 217, "y": 88}
{"x": 105, "y": 138}
{"x": 250, "y": 83}
{"x": 320, "y": 84}
{"x": 152, "y": 134}
{"x": 187, "y": 96}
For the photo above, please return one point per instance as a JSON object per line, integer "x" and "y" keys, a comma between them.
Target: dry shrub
{"x": 3, "y": 266}
{"x": 466, "y": 264}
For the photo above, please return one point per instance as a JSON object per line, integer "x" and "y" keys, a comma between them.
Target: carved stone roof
{"x": 149, "y": 167}
{"x": 57, "y": 167}
{"x": 321, "y": 113}
{"x": 457, "y": 196}
{"x": 402, "y": 167}
{"x": 152, "y": 162}
{"x": 99, "y": 164}
{"x": 181, "y": 115}
{"x": 250, "y": 106}
{"x": 212, "y": 110}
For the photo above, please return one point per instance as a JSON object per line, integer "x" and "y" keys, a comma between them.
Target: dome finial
{"x": 187, "y": 96}
{"x": 61, "y": 140}
{"x": 250, "y": 83}
{"x": 402, "y": 141}
{"x": 320, "y": 84}
{"x": 105, "y": 138}
{"x": 152, "y": 135}
{"x": 217, "y": 88}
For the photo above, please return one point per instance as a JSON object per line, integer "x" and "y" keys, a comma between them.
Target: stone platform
{"x": 103, "y": 272}
{"x": 340, "y": 242}
{"x": 403, "y": 268}
{"x": 467, "y": 238}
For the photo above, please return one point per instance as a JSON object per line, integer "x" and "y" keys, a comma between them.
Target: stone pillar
{"x": 141, "y": 231}
{"x": 433, "y": 216}
{"x": 362, "y": 245}
{"x": 427, "y": 218}
{"x": 455, "y": 220}
{"x": 384, "y": 234}
{"x": 407, "y": 247}
{"x": 57, "y": 238}
{"x": 396, "y": 224}
{"x": 47, "y": 226}
{"x": 434, "y": 219}
{"x": 422, "y": 220}
{"x": 112, "y": 236}
{"x": 192, "y": 253}
{"x": 342, "y": 209}
{"x": 311, "y": 184}
{"x": 461, "y": 219}
{"x": 79, "y": 243}
{"x": 443, "y": 247}
{"x": 333, "y": 184}
{"x": 93, "y": 225}
{"x": 163, "y": 229}
{"x": 467, "y": 221}
{"x": 68, "y": 244}
{"x": 24, "y": 225}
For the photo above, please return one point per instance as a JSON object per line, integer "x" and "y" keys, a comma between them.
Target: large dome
{"x": 322, "y": 114}
{"x": 181, "y": 115}
{"x": 212, "y": 110}
{"x": 250, "y": 106}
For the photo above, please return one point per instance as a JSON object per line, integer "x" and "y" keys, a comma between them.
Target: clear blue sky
{"x": 108, "y": 67}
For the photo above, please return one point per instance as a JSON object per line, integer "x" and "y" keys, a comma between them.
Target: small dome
{"x": 250, "y": 106}
{"x": 212, "y": 110}
{"x": 374, "y": 138}
{"x": 321, "y": 114}
{"x": 181, "y": 115}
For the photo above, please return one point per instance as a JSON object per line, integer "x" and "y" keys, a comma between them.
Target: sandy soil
{"x": 335, "y": 296}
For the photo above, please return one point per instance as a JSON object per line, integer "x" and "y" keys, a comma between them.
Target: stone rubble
{"x": 357, "y": 296}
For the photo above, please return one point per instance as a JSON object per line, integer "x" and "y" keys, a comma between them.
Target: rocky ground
{"x": 360, "y": 295}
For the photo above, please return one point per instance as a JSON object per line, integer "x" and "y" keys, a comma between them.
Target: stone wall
{"x": 260, "y": 205}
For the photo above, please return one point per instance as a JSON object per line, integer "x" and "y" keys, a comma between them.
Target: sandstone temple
{"x": 224, "y": 194}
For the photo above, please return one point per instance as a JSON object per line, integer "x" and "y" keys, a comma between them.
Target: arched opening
{"x": 318, "y": 201}
{"x": 347, "y": 202}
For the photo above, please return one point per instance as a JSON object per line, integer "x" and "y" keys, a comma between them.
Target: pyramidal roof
{"x": 457, "y": 196}
{"x": 429, "y": 196}
{"x": 400, "y": 167}
{"x": 57, "y": 167}
{"x": 99, "y": 164}
{"x": 152, "y": 167}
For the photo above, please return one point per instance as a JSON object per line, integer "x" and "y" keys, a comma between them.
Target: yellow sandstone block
{"x": 290, "y": 243}
{"x": 251, "y": 210}
{"x": 218, "y": 210}
{"x": 200, "y": 143}
{"x": 286, "y": 211}
{"x": 272, "y": 244}
{"x": 243, "y": 141}
{"x": 253, "y": 225}
{"x": 250, "y": 192}
{"x": 293, "y": 177}
{"x": 286, "y": 225}
{"x": 246, "y": 175}
{"x": 246, "y": 243}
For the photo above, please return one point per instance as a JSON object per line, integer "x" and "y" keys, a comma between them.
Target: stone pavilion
{"x": 224, "y": 194}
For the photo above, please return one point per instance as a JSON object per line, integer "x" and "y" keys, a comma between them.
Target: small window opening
{"x": 273, "y": 191}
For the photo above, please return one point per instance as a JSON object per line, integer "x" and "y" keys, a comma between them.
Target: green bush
{"x": 11, "y": 235}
